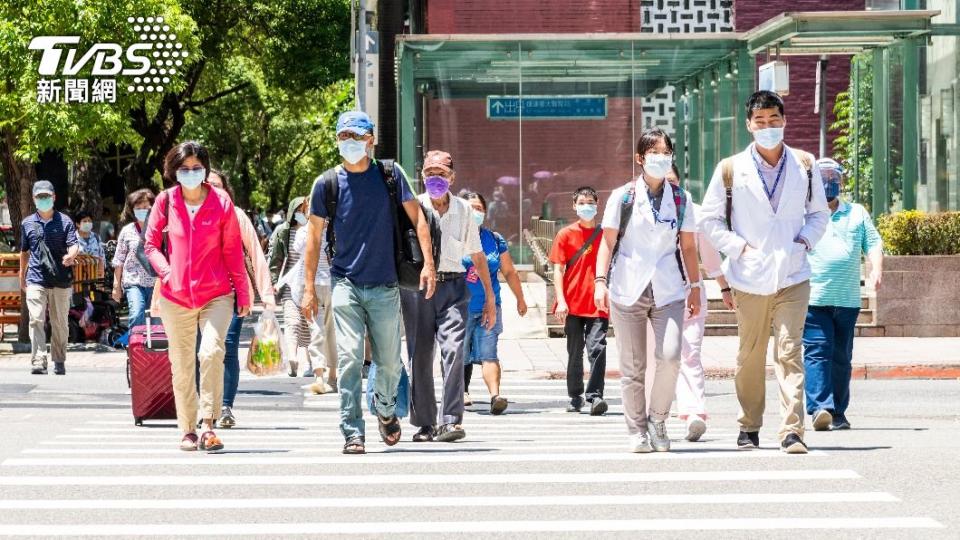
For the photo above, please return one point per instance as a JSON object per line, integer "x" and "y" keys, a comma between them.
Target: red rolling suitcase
{"x": 149, "y": 375}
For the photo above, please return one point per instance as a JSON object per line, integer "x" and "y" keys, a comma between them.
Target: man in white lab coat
{"x": 765, "y": 210}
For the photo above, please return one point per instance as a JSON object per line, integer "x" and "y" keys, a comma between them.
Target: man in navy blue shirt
{"x": 366, "y": 297}
{"x": 54, "y": 231}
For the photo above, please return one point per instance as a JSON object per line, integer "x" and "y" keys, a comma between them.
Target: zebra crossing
{"x": 534, "y": 472}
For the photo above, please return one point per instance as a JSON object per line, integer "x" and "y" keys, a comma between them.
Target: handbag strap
{"x": 583, "y": 249}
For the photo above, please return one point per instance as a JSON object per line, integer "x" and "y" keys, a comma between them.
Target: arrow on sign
{"x": 497, "y": 106}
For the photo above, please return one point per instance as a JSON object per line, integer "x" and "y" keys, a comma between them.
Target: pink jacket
{"x": 261, "y": 270}
{"x": 205, "y": 255}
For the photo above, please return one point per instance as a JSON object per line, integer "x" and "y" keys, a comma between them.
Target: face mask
{"x": 586, "y": 211}
{"x": 478, "y": 217}
{"x": 768, "y": 138}
{"x": 353, "y": 151}
{"x": 86, "y": 226}
{"x": 192, "y": 178}
{"x": 141, "y": 213}
{"x": 437, "y": 186}
{"x": 44, "y": 205}
{"x": 832, "y": 190}
{"x": 300, "y": 218}
{"x": 657, "y": 165}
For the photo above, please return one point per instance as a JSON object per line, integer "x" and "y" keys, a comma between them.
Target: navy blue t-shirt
{"x": 59, "y": 233}
{"x": 363, "y": 227}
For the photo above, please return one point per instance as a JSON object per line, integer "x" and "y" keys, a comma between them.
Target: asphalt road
{"x": 72, "y": 463}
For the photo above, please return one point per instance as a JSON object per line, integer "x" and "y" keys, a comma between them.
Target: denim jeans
{"x": 231, "y": 361}
{"x": 827, "y": 352}
{"x": 359, "y": 309}
{"x": 138, "y": 298}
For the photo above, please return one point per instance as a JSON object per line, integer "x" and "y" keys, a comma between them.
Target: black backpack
{"x": 406, "y": 247}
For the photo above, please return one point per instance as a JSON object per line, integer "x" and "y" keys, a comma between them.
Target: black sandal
{"x": 354, "y": 445}
{"x": 498, "y": 404}
{"x": 389, "y": 429}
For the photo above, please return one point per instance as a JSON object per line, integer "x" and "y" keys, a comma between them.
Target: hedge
{"x": 912, "y": 232}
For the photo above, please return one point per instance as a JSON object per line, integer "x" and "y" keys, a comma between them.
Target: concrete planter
{"x": 919, "y": 296}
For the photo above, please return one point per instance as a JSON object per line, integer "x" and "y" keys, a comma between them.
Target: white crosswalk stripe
{"x": 529, "y": 470}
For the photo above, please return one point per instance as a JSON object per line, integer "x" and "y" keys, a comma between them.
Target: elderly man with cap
{"x": 353, "y": 200}
{"x": 835, "y": 301}
{"x": 442, "y": 318}
{"x": 48, "y": 248}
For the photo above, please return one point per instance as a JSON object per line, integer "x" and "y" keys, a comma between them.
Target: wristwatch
{"x": 696, "y": 284}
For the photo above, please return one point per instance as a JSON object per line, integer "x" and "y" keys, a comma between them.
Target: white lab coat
{"x": 778, "y": 262}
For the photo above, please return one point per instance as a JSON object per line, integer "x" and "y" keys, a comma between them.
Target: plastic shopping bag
{"x": 267, "y": 354}
{"x": 403, "y": 392}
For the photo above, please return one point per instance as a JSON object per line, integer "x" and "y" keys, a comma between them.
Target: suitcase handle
{"x": 149, "y": 321}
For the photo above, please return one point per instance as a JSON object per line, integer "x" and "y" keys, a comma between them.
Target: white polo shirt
{"x": 647, "y": 250}
{"x": 459, "y": 234}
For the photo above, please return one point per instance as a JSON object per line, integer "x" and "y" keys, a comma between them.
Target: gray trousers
{"x": 40, "y": 300}
{"x": 442, "y": 320}
{"x": 630, "y": 324}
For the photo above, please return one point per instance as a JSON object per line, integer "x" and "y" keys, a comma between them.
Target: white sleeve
{"x": 689, "y": 216}
{"x": 300, "y": 240}
{"x": 713, "y": 218}
{"x": 611, "y": 213}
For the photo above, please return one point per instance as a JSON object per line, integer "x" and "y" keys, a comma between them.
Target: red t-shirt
{"x": 578, "y": 279}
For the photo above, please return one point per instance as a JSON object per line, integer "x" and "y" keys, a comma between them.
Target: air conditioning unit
{"x": 775, "y": 77}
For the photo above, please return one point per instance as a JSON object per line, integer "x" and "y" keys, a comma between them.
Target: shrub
{"x": 912, "y": 232}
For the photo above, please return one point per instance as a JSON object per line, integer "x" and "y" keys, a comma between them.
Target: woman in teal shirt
{"x": 480, "y": 344}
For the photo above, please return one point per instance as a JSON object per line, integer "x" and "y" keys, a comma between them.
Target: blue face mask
{"x": 45, "y": 204}
{"x": 141, "y": 213}
{"x": 478, "y": 217}
{"x": 191, "y": 178}
{"x": 831, "y": 190}
{"x": 586, "y": 211}
{"x": 768, "y": 138}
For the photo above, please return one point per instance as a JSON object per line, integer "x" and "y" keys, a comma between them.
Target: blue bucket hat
{"x": 355, "y": 122}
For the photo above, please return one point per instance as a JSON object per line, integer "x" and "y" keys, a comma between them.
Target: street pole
{"x": 361, "y": 45}
{"x": 822, "y": 102}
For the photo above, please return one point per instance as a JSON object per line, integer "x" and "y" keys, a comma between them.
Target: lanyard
{"x": 772, "y": 192}
{"x": 656, "y": 213}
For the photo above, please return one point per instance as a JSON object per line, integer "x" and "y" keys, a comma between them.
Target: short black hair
{"x": 763, "y": 99}
{"x": 475, "y": 195}
{"x": 586, "y": 191}
{"x": 82, "y": 215}
{"x": 650, "y": 137}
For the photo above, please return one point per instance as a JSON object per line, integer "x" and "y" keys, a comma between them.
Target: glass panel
{"x": 940, "y": 161}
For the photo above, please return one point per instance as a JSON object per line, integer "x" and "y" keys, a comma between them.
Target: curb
{"x": 861, "y": 372}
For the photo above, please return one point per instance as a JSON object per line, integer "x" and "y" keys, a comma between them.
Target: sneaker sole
{"x": 451, "y": 436}
{"x": 642, "y": 450}
{"x": 795, "y": 448}
{"x": 599, "y": 409}
{"x": 661, "y": 448}
{"x": 822, "y": 421}
{"x": 696, "y": 429}
{"x": 841, "y": 427}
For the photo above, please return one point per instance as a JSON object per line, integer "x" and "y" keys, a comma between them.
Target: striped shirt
{"x": 59, "y": 233}
{"x": 835, "y": 262}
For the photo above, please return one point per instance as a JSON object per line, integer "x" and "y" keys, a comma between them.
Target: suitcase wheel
{"x": 138, "y": 421}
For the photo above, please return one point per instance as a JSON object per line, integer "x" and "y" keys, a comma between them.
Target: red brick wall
{"x": 803, "y": 126}
{"x": 532, "y": 16}
{"x": 578, "y": 152}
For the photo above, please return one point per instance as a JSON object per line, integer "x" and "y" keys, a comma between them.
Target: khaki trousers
{"x": 39, "y": 298}
{"x": 181, "y": 326}
{"x": 323, "y": 337}
{"x": 786, "y": 310}
{"x": 630, "y": 323}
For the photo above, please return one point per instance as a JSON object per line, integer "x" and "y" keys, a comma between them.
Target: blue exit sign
{"x": 582, "y": 107}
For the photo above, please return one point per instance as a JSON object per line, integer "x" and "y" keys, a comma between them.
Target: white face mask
{"x": 768, "y": 138}
{"x": 300, "y": 218}
{"x": 657, "y": 165}
{"x": 353, "y": 151}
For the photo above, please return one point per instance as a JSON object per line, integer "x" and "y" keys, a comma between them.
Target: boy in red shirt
{"x": 574, "y": 258}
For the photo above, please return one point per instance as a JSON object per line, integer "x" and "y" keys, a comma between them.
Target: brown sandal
{"x": 189, "y": 442}
{"x": 389, "y": 429}
{"x": 210, "y": 442}
{"x": 354, "y": 446}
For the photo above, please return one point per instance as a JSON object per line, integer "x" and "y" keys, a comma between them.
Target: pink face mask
{"x": 437, "y": 186}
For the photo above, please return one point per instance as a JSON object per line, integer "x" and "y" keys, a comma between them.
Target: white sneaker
{"x": 696, "y": 427}
{"x": 659, "y": 438}
{"x": 640, "y": 444}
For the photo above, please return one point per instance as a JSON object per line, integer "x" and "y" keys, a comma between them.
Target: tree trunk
{"x": 85, "y": 189}
{"x": 19, "y": 176}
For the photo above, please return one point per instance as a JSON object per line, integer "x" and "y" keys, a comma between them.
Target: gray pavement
{"x": 536, "y": 472}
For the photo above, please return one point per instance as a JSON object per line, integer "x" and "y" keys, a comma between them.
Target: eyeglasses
{"x": 343, "y": 136}
{"x": 43, "y": 196}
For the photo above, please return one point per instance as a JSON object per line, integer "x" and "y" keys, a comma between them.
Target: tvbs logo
{"x": 148, "y": 64}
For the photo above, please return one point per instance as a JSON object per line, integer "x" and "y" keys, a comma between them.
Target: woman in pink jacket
{"x": 193, "y": 242}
